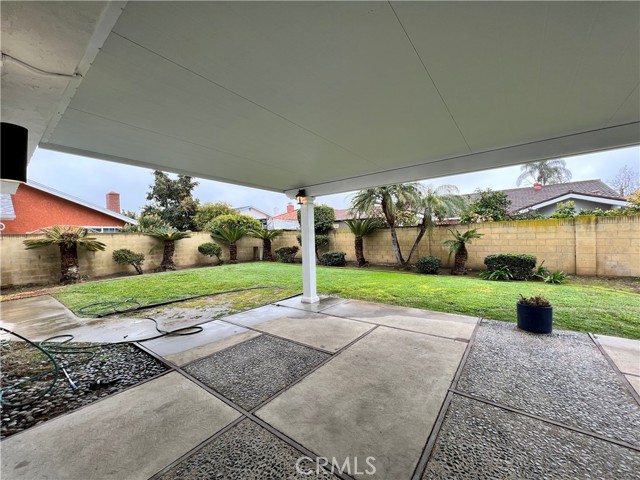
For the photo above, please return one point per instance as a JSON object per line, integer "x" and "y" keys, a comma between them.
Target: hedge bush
{"x": 211, "y": 249}
{"x": 287, "y": 254}
{"x": 124, "y": 256}
{"x": 333, "y": 259}
{"x": 519, "y": 265}
{"x": 429, "y": 265}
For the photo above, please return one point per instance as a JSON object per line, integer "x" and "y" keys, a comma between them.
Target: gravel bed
{"x": 479, "y": 441}
{"x": 561, "y": 376}
{"x": 125, "y": 363}
{"x": 246, "y": 451}
{"x": 252, "y": 371}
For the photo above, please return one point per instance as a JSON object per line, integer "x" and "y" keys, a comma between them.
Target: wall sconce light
{"x": 301, "y": 196}
{"x": 13, "y": 159}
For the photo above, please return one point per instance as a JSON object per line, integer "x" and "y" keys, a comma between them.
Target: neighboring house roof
{"x": 292, "y": 215}
{"x": 244, "y": 209}
{"x": 6, "y": 207}
{"x": 79, "y": 201}
{"x": 343, "y": 214}
{"x": 530, "y": 198}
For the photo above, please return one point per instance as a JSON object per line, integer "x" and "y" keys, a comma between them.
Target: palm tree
{"x": 230, "y": 234}
{"x": 361, "y": 227}
{"x": 266, "y": 236}
{"x": 458, "y": 246}
{"x": 69, "y": 239}
{"x": 394, "y": 200}
{"x": 545, "y": 172}
{"x": 436, "y": 203}
{"x": 169, "y": 236}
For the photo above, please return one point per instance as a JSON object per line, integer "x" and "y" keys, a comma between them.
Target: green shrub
{"x": 555, "y": 277}
{"x": 519, "y": 265}
{"x": 333, "y": 259}
{"x": 565, "y": 210}
{"x": 502, "y": 274}
{"x": 233, "y": 221}
{"x": 124, "y": 256}
{"x": 287, "y": 254}
{"x": 542, "y": 271}
{"x": 211, "y": 249}
{"x": 429, "y": 265}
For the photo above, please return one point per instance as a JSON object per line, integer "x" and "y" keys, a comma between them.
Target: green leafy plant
{"x": 428, "y": 265}
{"x": 490, "y": 206}
{"x": 230, "y": 234}
{"x": 287, "y": 254}
{"x": 69, "y": 240}
{"x": 169, "y": 236}
{"x": 124, "y": 256}
{"x": 501, "y": 274}
{"x": 361, "y": 227}
{"x": 519, "y": 265}
{"x": 324, "y": 217}
{"x": 565, "y": 210}
{"x": 234, "y": 220}
{"x": 555, "y": 277}
{"x": 333, "y": 259}
{"x": 266, "y": 236}
{"x": 537, "y": 301}
{"x": 211, "y": 249}
{"x": 542, "y": 271}
{"x": 458, "y": 246}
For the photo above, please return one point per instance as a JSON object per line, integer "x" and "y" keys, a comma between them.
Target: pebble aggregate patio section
{"x": 481, "y": 441}
{"x": 248, "y": 452}
{"x": 561, "y": 376}
{"x": 252, "y": 371}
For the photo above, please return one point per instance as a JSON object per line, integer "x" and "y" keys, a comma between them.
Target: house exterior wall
{"x": 579, "y": 205}
{"x": 607, "y": 246}
{"x": 36, "y": 209}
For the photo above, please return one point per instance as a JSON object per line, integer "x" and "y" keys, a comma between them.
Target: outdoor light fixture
{"x": 13, "y": 162}
{"x": 300, "y": 196}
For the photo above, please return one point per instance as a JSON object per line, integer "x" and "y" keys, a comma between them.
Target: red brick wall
{"x": 35, "y": 209}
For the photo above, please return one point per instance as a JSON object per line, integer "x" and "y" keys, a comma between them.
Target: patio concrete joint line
{"x": 421, "y": 466}
{"x": 615, "y": 368}
{"x": 545, "y": 420}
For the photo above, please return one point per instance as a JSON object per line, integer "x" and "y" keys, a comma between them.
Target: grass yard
{"x": 583, "y": 305}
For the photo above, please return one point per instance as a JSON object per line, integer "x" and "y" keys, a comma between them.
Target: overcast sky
{"x": 91, "y": 179}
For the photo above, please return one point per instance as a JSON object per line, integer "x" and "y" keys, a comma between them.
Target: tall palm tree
{"x": 458, "y": 246}
{"x": 266, "y": 236}
{"x": 545, "y": 172}
{"x": 230, "y": 234}
{"x": 169, "y": 237}
{"x": 394, "y": 200}
{"x": 361, "y": 227}
{"x": 436, "y": 203}
{"x": 69, "y": 239}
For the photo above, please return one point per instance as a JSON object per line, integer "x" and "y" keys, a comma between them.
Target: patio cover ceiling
{"x": 327, "y": 96}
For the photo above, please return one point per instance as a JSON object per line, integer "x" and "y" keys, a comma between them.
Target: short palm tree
{"x": 266, "y": 236}
{"x": 361, "y": 227}
{"x": 458, "y": 246}
{"x": 545, "y": 172}
{"x": 69, "y": 239}
{"x": 230, "y": 234}
{"x": 169, "y": 237}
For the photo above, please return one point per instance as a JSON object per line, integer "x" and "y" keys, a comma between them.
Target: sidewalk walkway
{"x": 389, "y": 392}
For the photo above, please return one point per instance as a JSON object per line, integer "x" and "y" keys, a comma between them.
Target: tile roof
{"x": 293, "y": 215}
{"x": 528, "y": 197}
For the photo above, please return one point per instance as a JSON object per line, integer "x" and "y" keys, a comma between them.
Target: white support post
{"x": 307, "y": 225}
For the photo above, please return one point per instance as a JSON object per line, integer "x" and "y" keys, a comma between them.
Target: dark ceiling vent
{"x": 13, "y": 163}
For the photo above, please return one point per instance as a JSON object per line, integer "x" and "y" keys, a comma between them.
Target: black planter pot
{"x": 535, "y": 319}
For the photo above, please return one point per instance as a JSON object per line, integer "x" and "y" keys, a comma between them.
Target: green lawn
{"x": 579, "y": 305}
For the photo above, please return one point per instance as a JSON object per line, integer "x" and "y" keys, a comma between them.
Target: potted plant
{"x": 535, "y": 314}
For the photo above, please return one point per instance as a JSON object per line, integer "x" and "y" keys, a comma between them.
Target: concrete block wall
{"x": 607, "y": 246}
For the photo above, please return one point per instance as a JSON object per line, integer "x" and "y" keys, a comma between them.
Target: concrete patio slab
{"x": 216, "y": 335}
{"x": 423, "y": 321}
{"x": 253, "y": 371}
{"x": 482, "y": 441}
{"x": 246, "y": 451}
{"x": 131, "y": 435}
{"x": 37, "y": 317}
{"x": 379, "y": 398}
{"x": 561, "y": 376}
{"x": 324, "y": 303}
{"x": 634, "y": 381}
{"x": 624, "y": 352}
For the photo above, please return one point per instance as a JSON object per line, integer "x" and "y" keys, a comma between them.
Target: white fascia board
{"x": 576, "y": 196}
{"x": 580, "y": 143}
